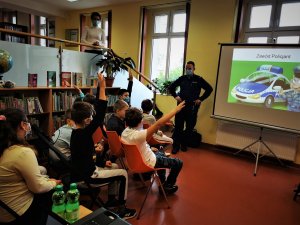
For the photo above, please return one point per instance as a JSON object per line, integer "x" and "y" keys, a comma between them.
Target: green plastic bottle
{"x": 58, "y": 201}
{"x": 72, "y": 206}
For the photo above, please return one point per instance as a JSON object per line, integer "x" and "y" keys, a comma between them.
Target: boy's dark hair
{"x": 78, "y": 99}
{"x": 147, "y": 105}
{"x": 80, "y": 111}
{"x": 95, "y": 14}
{"x": 89, "y": 98}
{"x": 191, "y": 62}
{"x": 122, "y": 91}
{"x": 133, "y": 117}
{"x": 68, "y": 115}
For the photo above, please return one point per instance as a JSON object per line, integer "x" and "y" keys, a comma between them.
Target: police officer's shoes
{"x": 183, "y": 148}
{"x": 175, "y": 149}
{"x": 169, "y": 189}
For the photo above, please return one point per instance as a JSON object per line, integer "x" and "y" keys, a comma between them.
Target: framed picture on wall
{"x": 72, "y": 35}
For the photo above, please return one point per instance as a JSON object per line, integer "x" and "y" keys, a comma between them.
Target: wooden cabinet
{"x": 13, "y": 37}
{"x": 39, "y": 103}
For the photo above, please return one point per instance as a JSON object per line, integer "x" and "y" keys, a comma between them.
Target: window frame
{"x": 273, "y": 30}
{"x": 169, "y": 35}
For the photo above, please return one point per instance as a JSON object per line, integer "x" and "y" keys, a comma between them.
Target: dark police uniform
{"x": 190, "y": 90}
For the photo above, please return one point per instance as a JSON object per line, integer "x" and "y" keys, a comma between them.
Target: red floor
{"x": 217, "y": 188}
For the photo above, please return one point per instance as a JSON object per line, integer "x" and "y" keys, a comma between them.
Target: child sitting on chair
{"x": 88, "y": 118}
{"x": 135, "y": 134}
{"x": 149, "y": 119}
{"x": 62, "y": 135}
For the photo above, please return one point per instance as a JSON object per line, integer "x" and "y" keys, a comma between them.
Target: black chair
{"x": 9, "y": 210}
{"x": 62, "y": 166}
{"x": 297, "y": 192}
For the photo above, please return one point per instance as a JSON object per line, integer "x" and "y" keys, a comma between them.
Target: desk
{"x": 83, "y": 211}
{"x": 56, "y": 220}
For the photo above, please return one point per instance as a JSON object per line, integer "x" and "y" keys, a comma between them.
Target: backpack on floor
{"x": 192, "y": 140}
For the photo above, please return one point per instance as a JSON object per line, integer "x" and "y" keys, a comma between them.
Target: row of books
{"x": 63, "y": 100}
{"x": 111, "y": 99}
{"x": 30, "y": 105}
{"x": 11, "y": 37}
{"x": 32, "y": 121}
{"x": 67, "y": 79}
{"x": 58, "y": 121}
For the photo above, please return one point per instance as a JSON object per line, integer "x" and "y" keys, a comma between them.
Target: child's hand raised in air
{"x": 101, "y": 80}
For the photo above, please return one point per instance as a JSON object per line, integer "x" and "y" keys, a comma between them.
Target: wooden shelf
{"x": 46, "y": 96}
{"x": 13, "y": 37}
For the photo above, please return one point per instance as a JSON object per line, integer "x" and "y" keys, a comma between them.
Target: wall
{"x": 211, "y": 23}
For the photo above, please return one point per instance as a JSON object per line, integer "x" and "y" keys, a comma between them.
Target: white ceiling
{"x": 57, "y": 7}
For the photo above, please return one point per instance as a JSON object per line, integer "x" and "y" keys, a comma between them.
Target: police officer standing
{"x": 190, "y": 89}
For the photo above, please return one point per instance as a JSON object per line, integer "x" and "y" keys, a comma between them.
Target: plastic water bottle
{"x": 58, "y": 199}
{"x": 72, "y": 206}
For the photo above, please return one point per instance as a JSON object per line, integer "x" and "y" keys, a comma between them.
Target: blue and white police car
{"x": 262, "y": 86}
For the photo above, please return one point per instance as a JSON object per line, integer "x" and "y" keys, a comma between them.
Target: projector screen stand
{"x": 257, "y": 154}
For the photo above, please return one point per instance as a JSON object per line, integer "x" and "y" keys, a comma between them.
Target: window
{"x": 168, "y": 41}
{"x": 163, "y": 41}
{"x": 43, "y": 30}
{"x": 39, "y": 25}
{"x": 271, "y": 21}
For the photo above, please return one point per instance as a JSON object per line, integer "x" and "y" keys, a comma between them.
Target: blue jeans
{"x": 173, "y": 164}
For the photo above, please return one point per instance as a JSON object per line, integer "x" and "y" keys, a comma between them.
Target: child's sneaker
{"x": 112, "y": 203}
{"x": 126, "y": 213}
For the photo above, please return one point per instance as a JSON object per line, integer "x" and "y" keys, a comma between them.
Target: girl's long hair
{"x": 10, "y": 120}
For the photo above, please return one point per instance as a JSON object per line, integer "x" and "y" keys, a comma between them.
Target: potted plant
{"x": 163, "y": 85}
{"x": 111, "y": 63}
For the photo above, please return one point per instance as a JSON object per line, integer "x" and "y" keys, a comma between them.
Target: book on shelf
{"x": 51, "y": 78}
{"x": 33, "y": 121}
{"x": 11, "y": 102}
{"x": 77, "y": 79}
{"x": 92, "y": 81}
{"x": 62, "y": 101}
{"x": 32, "y": 79}
{"x": 58, "y": 121}
{"x": 111, "y": 99}
{"x": 33, "y": 105}
{"x": 66, "y": 79}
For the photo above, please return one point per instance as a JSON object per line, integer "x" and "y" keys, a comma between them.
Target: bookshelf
{"x": 45, "y": 106}
{"x": 40, "y": 101}
{"x": 112, "y": 97}
{"x": 13, "y": 37}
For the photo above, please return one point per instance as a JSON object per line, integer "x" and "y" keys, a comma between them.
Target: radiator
{"x": 235, "y": 135}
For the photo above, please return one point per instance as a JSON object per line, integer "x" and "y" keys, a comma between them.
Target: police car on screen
{"x": 262, "y": 86}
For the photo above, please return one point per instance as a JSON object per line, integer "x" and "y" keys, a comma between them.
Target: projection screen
{"x": 259, "y": 85}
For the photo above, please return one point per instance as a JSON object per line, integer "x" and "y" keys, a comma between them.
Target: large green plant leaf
{"x": 111, "y": 63}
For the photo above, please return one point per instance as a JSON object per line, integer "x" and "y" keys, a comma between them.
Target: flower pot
{"x": 109, "y": 81}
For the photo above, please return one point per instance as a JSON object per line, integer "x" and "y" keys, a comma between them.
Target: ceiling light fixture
{"x": 72, "y": 0}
